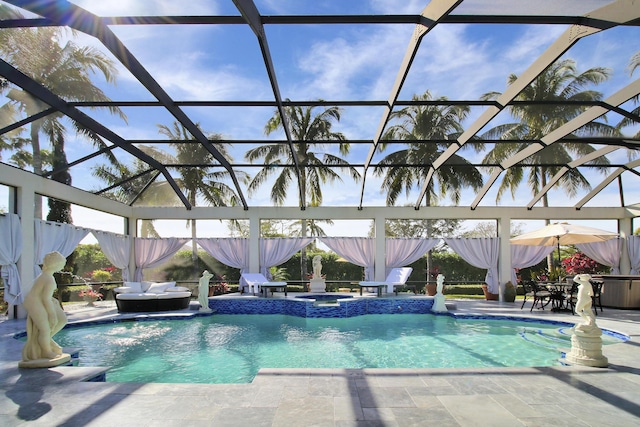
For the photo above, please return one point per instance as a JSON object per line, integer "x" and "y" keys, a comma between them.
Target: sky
{"x": 356, "y": 62}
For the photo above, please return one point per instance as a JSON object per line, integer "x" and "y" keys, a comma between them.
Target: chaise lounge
{"x": 149, "y": 296}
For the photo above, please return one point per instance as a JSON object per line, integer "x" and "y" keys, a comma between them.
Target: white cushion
{"x": 169, "y": 295}
{"x": 145, "y": 286}
{"x": 158, "y": 288}
{"x": 136, "y": 287}
{"x": 177, "y": 289}
{"x": 132, "y": 296}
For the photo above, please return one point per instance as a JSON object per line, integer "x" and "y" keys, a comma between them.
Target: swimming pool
{"x": 232, "y": 348}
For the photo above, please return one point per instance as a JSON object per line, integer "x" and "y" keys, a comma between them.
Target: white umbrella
{"x": 562, "y": 233}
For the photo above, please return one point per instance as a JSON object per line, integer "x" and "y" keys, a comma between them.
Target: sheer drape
{"x": 151, "y": 253}
{"x": 55, "y": 236}
{"x": 10, "y": 251}
{"x": 276, "y": 251}
{"x": 482, "y": 252}
{"x": 402, "y": 252}
{"x": 606, "y": 253}
{"x": 357, "y": 250}
{"x": 633, "y": 246}
{"x": 117, "y": 249}
{"x": 523, "y": 256}
{"x": 233, "y": 252}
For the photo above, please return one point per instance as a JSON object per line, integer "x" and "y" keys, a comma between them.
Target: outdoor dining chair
{"x": 597, "y": 286}
{"x": 537, "y": 293}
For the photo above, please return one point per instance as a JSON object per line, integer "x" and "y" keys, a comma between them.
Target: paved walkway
{"x": 557, "y": 396}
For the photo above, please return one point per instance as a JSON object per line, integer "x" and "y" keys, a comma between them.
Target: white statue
{"x": 439, "y": 305}
{"x": 45, "y": 318}
{"x": 203, "y": 290}
{"x": 583, "y": 304}
{"x": 439, "y": 283}
{"x": 317, "y": 267}
{"x": 586, "y": 340}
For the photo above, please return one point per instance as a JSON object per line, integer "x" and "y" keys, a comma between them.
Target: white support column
{"x": 26, "y": 211}
{"x": 504, "y": 263}
{"x": 380, "y": 249}
{"x": 132, "y": 230}
{"x": 254, "y": 243}
{"x": 625, "y": 228}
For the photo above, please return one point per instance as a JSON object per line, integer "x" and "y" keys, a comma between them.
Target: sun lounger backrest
{"x": 399, "y": 275}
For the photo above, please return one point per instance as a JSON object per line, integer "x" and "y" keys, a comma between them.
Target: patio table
{"x": 560, "y": 297}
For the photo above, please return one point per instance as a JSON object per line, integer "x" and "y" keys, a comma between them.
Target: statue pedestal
{"x": 438, "y": 304}
{"x": 586, "y": 347}
{"x": 45, "y": 363}
{"x": 317, "y": 285}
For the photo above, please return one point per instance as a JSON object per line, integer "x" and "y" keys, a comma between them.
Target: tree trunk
{"x": 37, "y": 164}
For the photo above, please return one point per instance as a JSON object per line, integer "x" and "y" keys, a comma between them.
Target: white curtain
{"x": 55, "y": 236}
{"x": 233, "y": 252}
{"x": 278, "y": 250}
{"x": 606, "y": 253}
{"x": 151, "y": 253}
{"x": 482, "y": 252}
{"x": 10, "y": 251}
{"x": 357, "y": 250}
{"x": 633, "y": 246}
{"x": 402, "y": 252}
{"x": 523, "y": 256}
{"x": 117, "y": 249}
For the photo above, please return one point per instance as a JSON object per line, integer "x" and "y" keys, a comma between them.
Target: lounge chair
{"x": 257, "y": 281}
{"x": 396, "y": 277}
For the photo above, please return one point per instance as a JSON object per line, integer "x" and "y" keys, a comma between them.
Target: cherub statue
{"x": 203, "y": 290}
{"x": 45, "y": 316}
{"x": 583, "y": 304}
{"x": 317, "y": 267}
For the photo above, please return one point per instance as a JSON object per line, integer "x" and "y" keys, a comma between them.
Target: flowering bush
{"x": 221, "y": 287}
{"x": 89, "y": 294}
{"x": 579, "y": 263}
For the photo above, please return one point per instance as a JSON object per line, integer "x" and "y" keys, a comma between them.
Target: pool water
{"x": 232, "y": 348}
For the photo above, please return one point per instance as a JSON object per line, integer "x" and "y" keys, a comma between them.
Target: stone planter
{"x": 488, "y": 295}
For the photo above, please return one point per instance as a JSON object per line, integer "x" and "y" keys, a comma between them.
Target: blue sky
{"x": 355, "y": 62}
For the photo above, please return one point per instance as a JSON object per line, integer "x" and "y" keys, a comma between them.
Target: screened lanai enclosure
{"x": 342, "y": 118}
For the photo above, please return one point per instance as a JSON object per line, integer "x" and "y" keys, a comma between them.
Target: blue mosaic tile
{"x": 303, "y": 307}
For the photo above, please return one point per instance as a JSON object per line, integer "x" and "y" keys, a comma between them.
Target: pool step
{"x": 555, "y": 339}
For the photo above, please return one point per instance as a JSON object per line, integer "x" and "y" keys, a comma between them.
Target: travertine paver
{"x": 562, "y": 396}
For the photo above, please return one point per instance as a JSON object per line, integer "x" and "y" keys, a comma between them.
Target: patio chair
{"x": 597, "y": 286}
{"x": 257, "y": 281}
{"x": 397, "y": 277}
{"x": 540, "y": 295}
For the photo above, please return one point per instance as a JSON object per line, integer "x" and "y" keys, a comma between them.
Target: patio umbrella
{"x": 562, "y": 233}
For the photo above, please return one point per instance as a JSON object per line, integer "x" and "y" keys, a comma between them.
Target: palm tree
{"x": 560, "y": 82}
{"x": 428, "y": 131}
{"x": 309, "y": 131}
{"x": 65, "y": 70}
{"x": 634, "y": 63}
{"x": 200, "y": 182}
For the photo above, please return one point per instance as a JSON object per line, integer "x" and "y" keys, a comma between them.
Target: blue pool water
{"x": 232, "y": 348}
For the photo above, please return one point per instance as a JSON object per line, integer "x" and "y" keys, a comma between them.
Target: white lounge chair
{"x": 257, "y": 281}
{"x": 396, "y": 277}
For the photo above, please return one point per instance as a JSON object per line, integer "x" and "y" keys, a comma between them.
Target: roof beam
{"x": 251, "y": 14}
{"x": 620, "y": 97}
{"x": 431, "y": 14}
{"x": 65, "y": 13}
{"x": 34, "y": 88}
{"x": 615, "y": 13}
{"x": 606, "y": 182}
{"x": 321, "y": 19}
